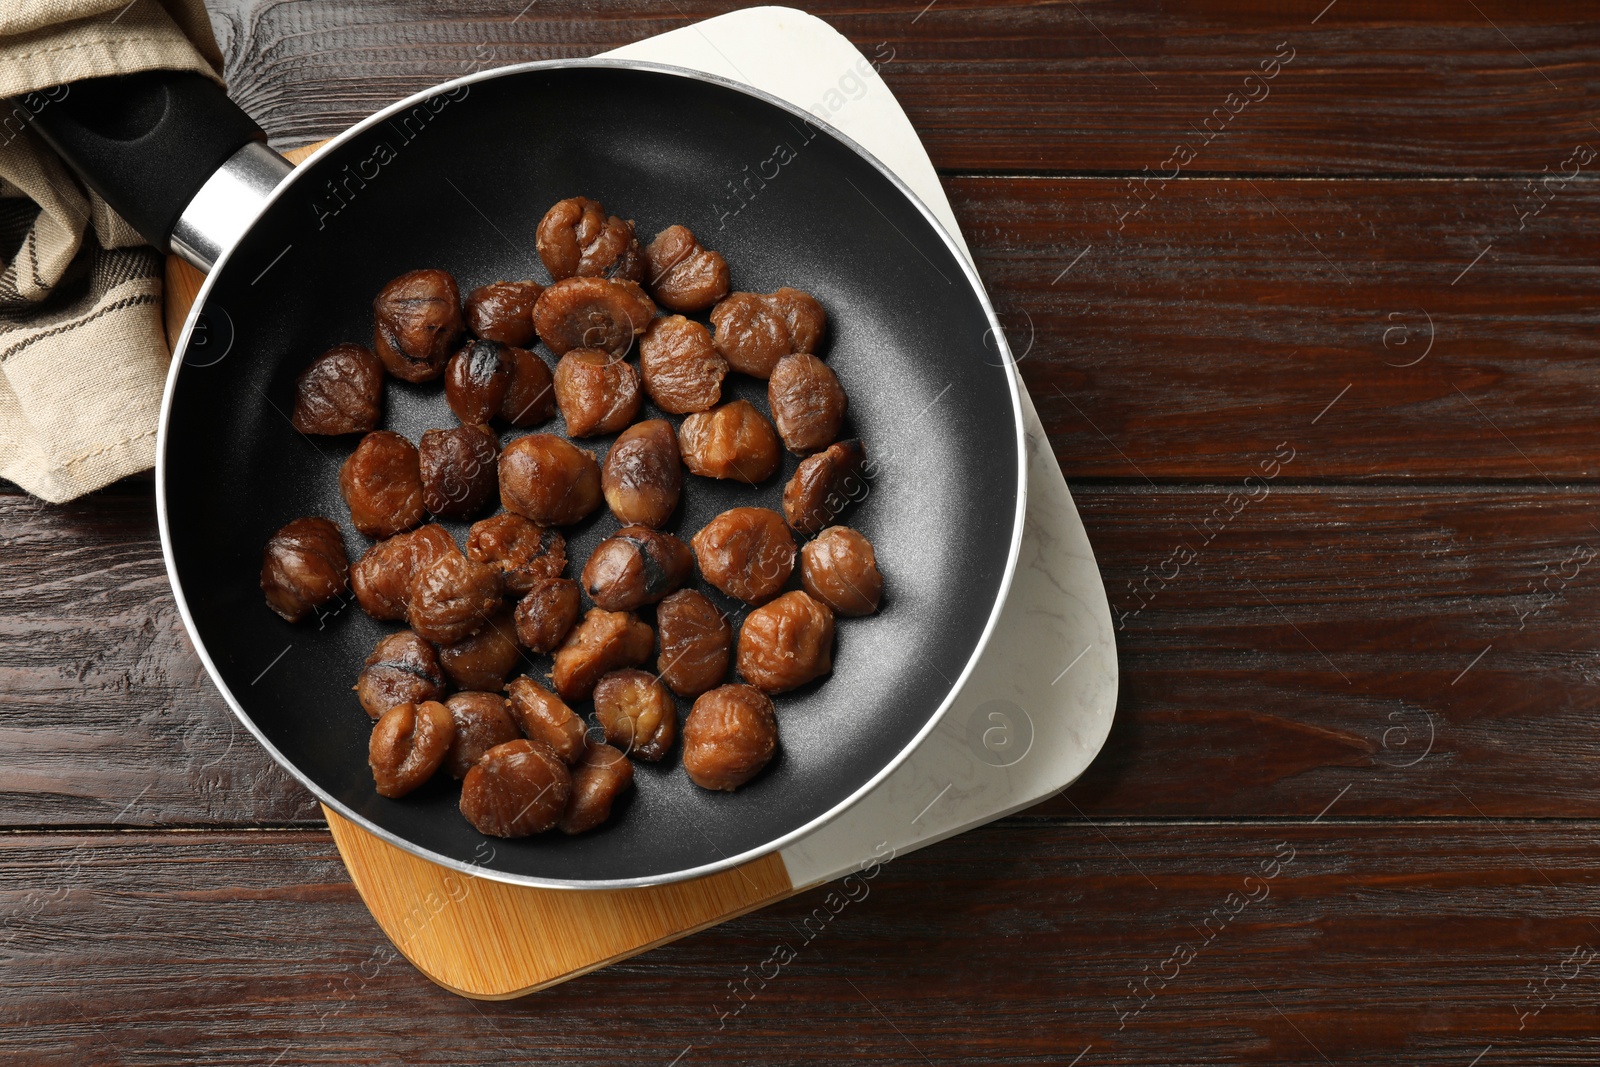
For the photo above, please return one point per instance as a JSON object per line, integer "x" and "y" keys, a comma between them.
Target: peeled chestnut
{"x": 516, "y": 789}
{"x": 602, "y": 642}
{"x": 730, "y": 735}
{"x": 642, "y": 476}
{"x": 475, "y": 381}
{"x": 402, "y": 669}
{"x": 503, "y": 311}
{"x": 681, "y": 274}
{"x": 598, "y": 779}
{"x": 407, "y": 746}
{"x": 577, "y": 237}
{"x": 482, "y": 661}
{"x": 592, "y": 313}
{"x": 460, "y": 470}
{"x": 303, "y": 567}
{"x": 530, "y": 393}
{"x": 636, "y": 566}
{"x": 549, "y": 480}
{"x": 383, "y": 573}
{"x": 340, "y": 392}
{"x": 381, "y": 481}
{"x": 807, "y": 402}
{"x": 546, "y": 614}
{"x": 596, "y": 392}
{"x": 545, "y": 717}
{"x": 523, "y": 552}
{"x": 682, "y": 369}
{"x": 696, "y": 643}
{"x": 824, "y": 485}
{"x": 787, "y": 643}
{"x": 755, "y": 330}
{"x": 733, "y": 441}
{"x": 747, "y": 553}
{"x": 637, "y": 713}
{"x": 417, "y": 324}
{"x": 452, "y": 598}
{"x": 840, "y": 569}
{"x": 482, "y": 722}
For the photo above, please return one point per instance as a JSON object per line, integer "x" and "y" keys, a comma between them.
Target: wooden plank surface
{"x": 1381, "y": 657}
{"x": 1430, "y": 87}
{"x": 1014, "y": 944}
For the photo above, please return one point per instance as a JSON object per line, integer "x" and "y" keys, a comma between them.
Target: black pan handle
{"x": 148, "y": 143}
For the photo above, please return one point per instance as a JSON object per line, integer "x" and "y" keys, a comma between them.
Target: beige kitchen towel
{"x": 82, "y": 352}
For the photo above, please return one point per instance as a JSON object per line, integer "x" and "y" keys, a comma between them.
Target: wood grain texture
{"x": 1036, "y": 85}
{"x": 108, "y": 717}
{"x": 1013, "y": 944}
{"x": 492, "y": 941}
{"x": 1228, "y": 314}
{"x": 1227, "y": 707}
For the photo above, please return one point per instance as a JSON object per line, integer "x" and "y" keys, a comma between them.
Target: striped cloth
{"x": 83, "y": 354}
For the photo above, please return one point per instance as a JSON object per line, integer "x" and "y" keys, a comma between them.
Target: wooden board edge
{"x": 368, "y": 859}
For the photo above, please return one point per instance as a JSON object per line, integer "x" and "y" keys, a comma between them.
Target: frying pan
{"x": 457, "y": 177}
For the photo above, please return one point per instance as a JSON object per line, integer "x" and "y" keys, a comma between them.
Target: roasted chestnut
{"x": 475, "y": 381}
{"x": 303, "y": 566}
{"x": 546, "y": 614}
{"x": 637, "y": 713}
{"x": 521, "y": 551}
{"x": 681, "y": 274}
{"x": 602, "y": 642}
{"x": 549, "y": 480}
{"x": 696, "y": 643}
{"x": 402, "y": 669}
{"x": 824, "y": 485}
{"x": 452, "y": 598}
{"x": 383, "y": 573}
{"x": 596, "y": 391}
{"x": 407, "y": 746}
{"x": 840, "y": 569}
{"x": 747, "y": 553}
{"x": 807, "y": 401}
{"x": 636, "y": 566}
{"x": 576, "y": 237}
{"x": 755, "y": 330}
{"x": 482, "y": 722}
{"x": 516, "y": 789}
{"x": 382, "y": 484}
{"x": 530, "y": 394}
{"x": 682, "y": 369}
{"x": 733, "y": 441}
{"x": 642, "y": 476}
{"x": 592, "y": 313}
{"x": 730, "y": 735}
{"x": 598, "y": 779}
{"x": 417, "y": 324}
{"x": 787, "y": 643}
{"x": 503, "y": 311}
{"x": 340, "y": 392}
{"x": 482, "y": 661}
{"x": 459, "y": 470}
{"x": 545, "y": 717}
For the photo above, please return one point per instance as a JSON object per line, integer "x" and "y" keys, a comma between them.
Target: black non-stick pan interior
{"x": 461, "y": 184}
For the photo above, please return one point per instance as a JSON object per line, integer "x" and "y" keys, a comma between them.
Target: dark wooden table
{"x": 1376, "y": 680}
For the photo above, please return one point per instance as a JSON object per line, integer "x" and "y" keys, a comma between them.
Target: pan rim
{"x": 1007, "y": 363}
